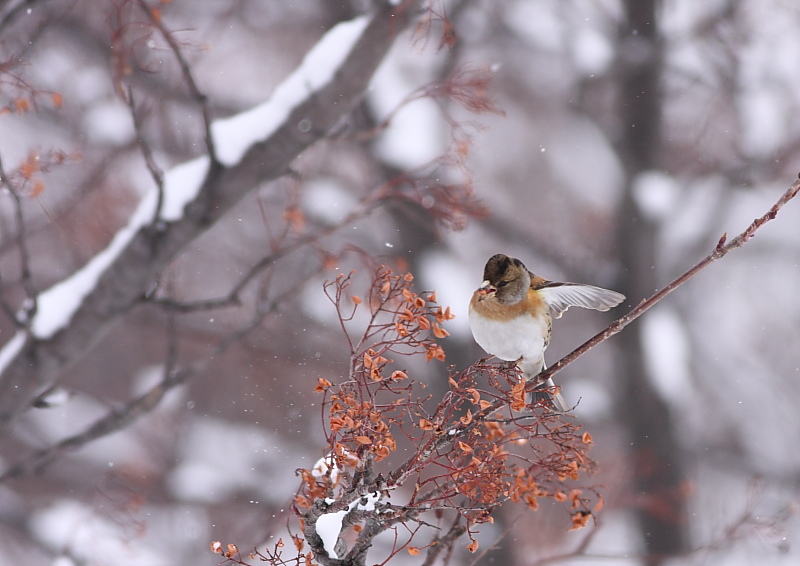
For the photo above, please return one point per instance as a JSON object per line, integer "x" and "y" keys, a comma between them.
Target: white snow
{"x": 592, "y": 51}
{"x": 11, "y": 349}
{"x": 123, "y": 447}
{"x": 58, "y": 304}
{"x": 582, "y": 159}
{"x": 329, "y": 526}
{"x": 763, "y": 112}
{"x": 320, "y": 469}
{"x": 537, "y": 23}
{"x": 234, "y": 136}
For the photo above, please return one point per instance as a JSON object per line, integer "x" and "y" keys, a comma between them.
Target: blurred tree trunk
{"x": 657, "y": 468}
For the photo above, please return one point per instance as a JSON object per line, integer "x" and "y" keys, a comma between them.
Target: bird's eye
{"x": 503, "y": 283}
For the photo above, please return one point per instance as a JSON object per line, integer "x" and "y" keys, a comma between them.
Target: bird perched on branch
{"x": 511, "y": 313}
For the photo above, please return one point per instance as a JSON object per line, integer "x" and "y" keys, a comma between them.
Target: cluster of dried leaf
{"x": 476, "y": 448}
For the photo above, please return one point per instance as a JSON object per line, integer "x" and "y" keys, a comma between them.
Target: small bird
{"x": 511, "y": 313}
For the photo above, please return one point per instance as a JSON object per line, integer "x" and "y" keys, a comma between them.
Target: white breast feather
{"x": 509, "y": 339}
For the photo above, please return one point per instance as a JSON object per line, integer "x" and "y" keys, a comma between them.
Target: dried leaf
{"x": 22, "y": 105}
{"x": 600, "y": 503}
{"x": 580, "y": 519}
{"x": 38, "y": 188}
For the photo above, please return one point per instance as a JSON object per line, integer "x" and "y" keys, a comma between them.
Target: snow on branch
{"x": 235, "y": 135}
{"x": 255, "y": 147}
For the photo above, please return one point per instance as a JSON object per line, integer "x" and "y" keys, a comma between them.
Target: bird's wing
{"x": 561, "y": 296}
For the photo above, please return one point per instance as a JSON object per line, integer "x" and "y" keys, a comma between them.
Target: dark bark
{"x": 656, "y": 457}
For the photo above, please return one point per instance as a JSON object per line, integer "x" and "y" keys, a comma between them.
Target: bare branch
{"x": 155, "y": 171}
{"x": 722, "y": 249}
{"x": 22, "y": 319}
{"x": 188, "y": 76}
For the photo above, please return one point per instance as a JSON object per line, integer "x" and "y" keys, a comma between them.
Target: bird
{"x": 511, "y": 313}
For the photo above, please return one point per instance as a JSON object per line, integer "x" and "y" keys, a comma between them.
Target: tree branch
{"x": 722, "y": 249}
{"x": 123, "y": 284}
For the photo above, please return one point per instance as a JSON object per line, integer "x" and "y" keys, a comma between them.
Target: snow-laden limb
{"x": 235, "y": 135}
{"x": 197, "y": 194}
{"x": 56, "y": 305}
{"x": 232, "y": 137}
{"x": 329, "y": 525}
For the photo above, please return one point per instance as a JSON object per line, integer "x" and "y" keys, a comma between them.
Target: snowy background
{"x": 693, "y": 409}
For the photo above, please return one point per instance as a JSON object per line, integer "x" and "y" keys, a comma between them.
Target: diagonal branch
{"x": 722, "y": 249}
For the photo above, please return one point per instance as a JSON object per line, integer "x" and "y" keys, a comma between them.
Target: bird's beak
{"x": 485, "y": 290}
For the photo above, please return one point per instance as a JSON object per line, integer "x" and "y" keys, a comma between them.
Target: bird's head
{"x": 505, "y": 278}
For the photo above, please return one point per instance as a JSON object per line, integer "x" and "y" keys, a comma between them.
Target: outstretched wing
{"x": 561, "y": 296}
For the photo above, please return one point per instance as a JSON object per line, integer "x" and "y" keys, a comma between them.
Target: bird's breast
{"x": 524, "y": 335}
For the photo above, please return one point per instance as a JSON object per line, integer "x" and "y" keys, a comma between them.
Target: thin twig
{"x": 361, "y": 210}
{"x": 147, "y": 153}
{"x": 30, "y": 305}
{"x": 200, "y": 97}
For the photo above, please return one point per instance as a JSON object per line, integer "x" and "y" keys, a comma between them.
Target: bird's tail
{"x": 551, "y": 396}
{"x": 546, "y": 391}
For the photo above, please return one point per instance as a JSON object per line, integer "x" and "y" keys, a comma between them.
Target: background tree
{"x": 633, "y": 135}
